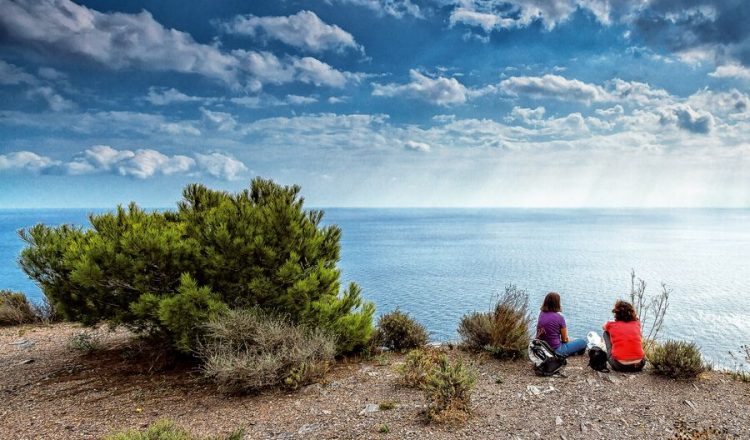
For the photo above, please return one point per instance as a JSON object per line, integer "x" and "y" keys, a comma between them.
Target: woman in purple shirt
{"x": 552, "y": 329}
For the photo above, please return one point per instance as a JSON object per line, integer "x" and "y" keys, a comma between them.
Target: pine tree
{"x": 166, "y": 273}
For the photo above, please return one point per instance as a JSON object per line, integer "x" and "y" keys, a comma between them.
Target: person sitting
{"x": 623, "y": 339}
{"x": 551, "y": 328}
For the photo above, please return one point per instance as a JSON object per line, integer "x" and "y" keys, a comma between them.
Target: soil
{"x": 52, "y": 390}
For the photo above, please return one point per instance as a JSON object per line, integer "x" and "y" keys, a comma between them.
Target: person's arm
{"x": 563, "y": 330}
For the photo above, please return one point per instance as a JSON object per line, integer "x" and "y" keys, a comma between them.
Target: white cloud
{"x": 440, "y": 91}
{"x": 553, "y": 86}
{"x": 527, "y": 115}
{"x": 53, "y": 99}
{"x": 221, "y": 121}
{"x": 509, "y": 14}
{"x": 139, "y": 164}
{"x": 221, "y": 166}
{"x": 421, "y": 147}
{"x": 11, "y": 75}
{"x": 180, "y": 128}
{"x": 394, "y": 8}
{"x": 120, "y": 40}
{"x": 685, "y": 117}
{"x": 157, "y": 96}
{"x": 731, "y": 71}
{"x": 303, "y": 30}
{"x": 26, "y": 161}
{"x": 300, "y": 100}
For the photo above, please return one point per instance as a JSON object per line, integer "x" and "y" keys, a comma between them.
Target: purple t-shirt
{"x": 548, "y": 328}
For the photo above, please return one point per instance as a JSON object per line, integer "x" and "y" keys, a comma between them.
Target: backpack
{"x": 546, "y": 361}
{"x": 598, "y": 359}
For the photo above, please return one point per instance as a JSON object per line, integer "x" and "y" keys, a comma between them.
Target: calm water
{"x": 438, "y": 264}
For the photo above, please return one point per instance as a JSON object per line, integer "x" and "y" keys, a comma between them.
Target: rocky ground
{"x": 52, "y": 391}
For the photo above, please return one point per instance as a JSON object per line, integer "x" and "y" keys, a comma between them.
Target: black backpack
{"x": 598, "y": 359}
{"x": 546, "y": 361}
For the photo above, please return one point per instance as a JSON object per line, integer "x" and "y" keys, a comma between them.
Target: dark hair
{"x": 624, "y": 311}
{"x": 551, "y": 302}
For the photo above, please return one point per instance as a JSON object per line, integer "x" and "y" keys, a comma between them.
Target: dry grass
{"x": 504, "y": 330}
{"x": 15, "y": 309}
{"x": 247, "y": 351}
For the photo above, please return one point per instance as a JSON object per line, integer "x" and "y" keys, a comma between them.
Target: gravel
{"x": 52, "y": 391}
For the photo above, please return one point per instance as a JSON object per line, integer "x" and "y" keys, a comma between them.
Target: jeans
{"x": 625, "y": 368}
{"x": 572, "y": 347}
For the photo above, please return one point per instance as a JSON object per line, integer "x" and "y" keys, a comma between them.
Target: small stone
{"x": 26, "y": 362}
{"x": 307, "y": 428}
{"x": 558, "y": 421}
{"x": 370, "y": 408}
{"x": 534, "y": 390}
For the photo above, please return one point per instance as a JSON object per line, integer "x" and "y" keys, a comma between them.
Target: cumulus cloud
{"x": 221, "y": 121}
{"x": 26, "y": 161}
{"x": 526, "y": 115}
{"x": 220, "y": 166}
{"x": 120, "y": 40}
{"x": 421, "y": 147}
{"x": 304, "y": 30}
{"x": 139, "y": 164}
{"x": 687, "y": 118}
{"x": 509, "y": 14}
{"x": 553, "y": 86}
{"x": 440, "y": 90}
{"x": 731, "y": 71}
{"x": 394, "y": 8}
{"x": 164, "y": 96}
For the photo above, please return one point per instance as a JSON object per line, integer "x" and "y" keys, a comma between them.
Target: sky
{"x": 377, "y": 103}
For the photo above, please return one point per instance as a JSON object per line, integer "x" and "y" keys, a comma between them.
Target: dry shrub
{"x": 398, "y": 331}
{"x": 448, "y": 390}
{"x": 15, "y": 309}
{"x": 417, "y": 366}
{"x": 504, "y": 330}
{"x": 247, "y": 351}
{"x": 683, "y": 432}
{"x": 447, "y": 385}
{"x": 168, "y": 430}
{"x": 676, "y": 359}
{"x": 85, "y": 341}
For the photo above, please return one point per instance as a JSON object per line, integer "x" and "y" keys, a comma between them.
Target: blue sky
{"x": 537, "y": 103}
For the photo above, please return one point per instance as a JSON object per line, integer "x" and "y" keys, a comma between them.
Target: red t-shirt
{"x": 626, "y": 340}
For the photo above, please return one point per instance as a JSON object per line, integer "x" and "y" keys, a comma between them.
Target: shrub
{"x": 387, "y": 405}
{"x": 166, "y": 273}
{"x": 15, "y": 308}
{"x": 168, "y": 430}
{"x": 85, "y": 341}
{"x": 247, "y": 351}
{"x": 399, "y": 332}
{"x": 417, "y": 365}
{"x": 676, "y": 359}
{"x": 504, "y": 330}
{"x": 448, "y": 390}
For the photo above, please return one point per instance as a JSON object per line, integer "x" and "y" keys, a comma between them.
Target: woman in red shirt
{"x": 623, "y": 339}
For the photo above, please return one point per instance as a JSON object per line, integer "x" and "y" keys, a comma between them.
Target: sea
{"x": 439, "y": 264}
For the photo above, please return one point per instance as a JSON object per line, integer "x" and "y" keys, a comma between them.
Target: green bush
{"x": 504, "y": 330}
{"x": 676, "y": 359}
{"x": 85, "y": 341}
{"x": 448, "y": 391}
{"x": 168, "y": 430}
{"x": 247, "y": 351}
{"x": 166, "y": 273}
{"x": 417, "y": 366}
{"x": 15, "y": 308}
{"x": 399, "y": 332}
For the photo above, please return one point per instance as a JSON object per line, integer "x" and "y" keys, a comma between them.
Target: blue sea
{"x": 438, "y": 264}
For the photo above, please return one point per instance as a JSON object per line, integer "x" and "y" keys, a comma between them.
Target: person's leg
{"x": 607, "y": 342}
{"x": 572, "y": 347}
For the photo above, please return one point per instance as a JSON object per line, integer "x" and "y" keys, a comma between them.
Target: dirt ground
{"x": 52, "y": 391}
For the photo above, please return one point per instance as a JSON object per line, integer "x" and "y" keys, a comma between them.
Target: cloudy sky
{"x": 552, "y": 103}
